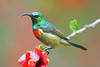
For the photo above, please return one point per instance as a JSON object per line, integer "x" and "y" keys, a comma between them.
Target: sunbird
{"x": 47, "y": 33}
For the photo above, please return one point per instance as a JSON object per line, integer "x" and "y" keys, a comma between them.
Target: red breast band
{"x": 36, "y": 33}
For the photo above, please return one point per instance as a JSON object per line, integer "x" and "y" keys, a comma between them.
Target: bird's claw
{"x": 47, "y": 50}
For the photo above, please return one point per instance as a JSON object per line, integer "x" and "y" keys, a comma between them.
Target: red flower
{"x": 36, "y": 58}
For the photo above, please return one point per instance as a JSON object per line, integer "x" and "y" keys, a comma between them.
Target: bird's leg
{"x": 47, "y": 49}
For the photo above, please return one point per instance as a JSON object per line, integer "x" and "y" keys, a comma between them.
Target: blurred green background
{"x": 16, "y": 35}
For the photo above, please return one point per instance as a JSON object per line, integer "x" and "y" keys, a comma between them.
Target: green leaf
{"x": 41, "y": 47}
{"x": 73, "y": 25}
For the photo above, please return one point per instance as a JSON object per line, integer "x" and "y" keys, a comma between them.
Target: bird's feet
{"x": 48, "y": 49}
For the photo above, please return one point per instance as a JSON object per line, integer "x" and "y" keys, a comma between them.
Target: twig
{"x": 92, "y": 25}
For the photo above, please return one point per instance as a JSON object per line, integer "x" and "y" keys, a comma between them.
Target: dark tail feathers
{"x": 76, "y": 45}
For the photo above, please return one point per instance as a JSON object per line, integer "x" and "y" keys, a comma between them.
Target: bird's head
{"x": 36, "y": 17}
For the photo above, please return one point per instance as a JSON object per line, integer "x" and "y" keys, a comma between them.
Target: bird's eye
{"x": 36, "y": 16}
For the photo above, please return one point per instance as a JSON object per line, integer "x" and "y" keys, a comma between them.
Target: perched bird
{"x": 47, "y": 33}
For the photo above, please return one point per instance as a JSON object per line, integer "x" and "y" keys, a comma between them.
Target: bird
{"x": 47, "y": 33}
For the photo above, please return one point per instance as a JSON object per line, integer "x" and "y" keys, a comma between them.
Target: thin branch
{"x": 92, "y": 25}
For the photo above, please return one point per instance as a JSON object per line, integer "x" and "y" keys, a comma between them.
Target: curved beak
{"x": 28, "y": 14}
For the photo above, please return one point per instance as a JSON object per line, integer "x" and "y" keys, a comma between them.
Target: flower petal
{"x": 36, "y": 58}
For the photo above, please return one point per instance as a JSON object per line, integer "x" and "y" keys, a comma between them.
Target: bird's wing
{"x": 62, "y": 36}
{"x": 54, "y": 32}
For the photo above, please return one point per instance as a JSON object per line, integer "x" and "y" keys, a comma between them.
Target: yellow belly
{"x": 51, "y": 40}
